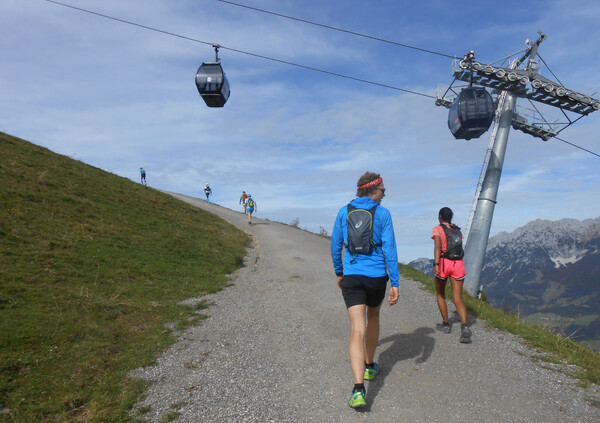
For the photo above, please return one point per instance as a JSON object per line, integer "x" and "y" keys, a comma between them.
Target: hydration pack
{"x": 250, "y": 203}
{"x": 360, "y": 230}
{"x": 454, "y": 250}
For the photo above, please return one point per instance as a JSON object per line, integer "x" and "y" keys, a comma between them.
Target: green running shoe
{"x": 371, "y": 372}
{"x": 357, "y": 400}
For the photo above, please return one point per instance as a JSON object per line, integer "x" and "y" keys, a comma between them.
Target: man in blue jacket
{"x": 362, "y": 278}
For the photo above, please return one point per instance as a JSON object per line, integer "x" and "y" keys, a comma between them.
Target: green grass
{"x": 549, "y": 320}
{"x": 552, "y": 348}
{"x": 92, "y": 268}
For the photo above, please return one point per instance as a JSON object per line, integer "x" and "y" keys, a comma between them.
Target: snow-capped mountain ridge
{"x": 565, "y": 241}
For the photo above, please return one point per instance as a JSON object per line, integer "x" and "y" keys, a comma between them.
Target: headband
{"x": 374, "y": 183}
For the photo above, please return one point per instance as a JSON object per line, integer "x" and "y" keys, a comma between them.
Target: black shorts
{"x": 358, "y": 289}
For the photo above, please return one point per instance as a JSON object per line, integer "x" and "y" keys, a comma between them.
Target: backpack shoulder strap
{"x": 445, "y": 230}
{"x": 372, "y": 211}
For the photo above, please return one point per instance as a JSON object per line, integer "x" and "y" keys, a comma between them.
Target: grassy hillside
{"x": 552, "y": 348}
{"x": 92, "y": 267}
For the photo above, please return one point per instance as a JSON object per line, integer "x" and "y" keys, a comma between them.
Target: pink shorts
{"x": 452, "y": 269}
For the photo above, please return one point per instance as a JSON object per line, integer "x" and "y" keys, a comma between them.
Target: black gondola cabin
{"x": 212, "y": 84}
{"x": 471, "y": 114}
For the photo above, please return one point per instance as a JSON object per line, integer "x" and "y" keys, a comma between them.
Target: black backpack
{"x": 454, "y": 251}
{"x": 360, "y": 230}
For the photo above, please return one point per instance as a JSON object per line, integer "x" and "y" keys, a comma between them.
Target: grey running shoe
{"x": 465, "y": 335}
{"x": 444, "y": 328}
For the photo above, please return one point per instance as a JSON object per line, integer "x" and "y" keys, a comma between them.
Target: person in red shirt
{"x": 444, "y": 269}
{"x": 243, "y": 200}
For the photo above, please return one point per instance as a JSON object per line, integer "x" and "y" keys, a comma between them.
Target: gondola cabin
{"x": 471, "y": 114}
{"x": 212, "y": 84}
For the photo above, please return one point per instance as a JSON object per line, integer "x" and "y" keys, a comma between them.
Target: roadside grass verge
{"x": 551, "y": 348}
{"x": 93, "y": 267}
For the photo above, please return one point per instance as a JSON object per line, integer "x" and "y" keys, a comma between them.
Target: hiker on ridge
{"x": 143, "y": 176}
{"x": 250, "y": 207}
{"x": 448, "y": 264}
{"x": 243, "y": 200}
{"x": 364, "y": 228}
{"x": 207, "y": 192}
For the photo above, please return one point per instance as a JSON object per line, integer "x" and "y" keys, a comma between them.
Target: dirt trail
{"x": 274, "y": 349}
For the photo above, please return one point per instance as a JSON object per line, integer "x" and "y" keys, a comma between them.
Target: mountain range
{"x": 548, "y": 272}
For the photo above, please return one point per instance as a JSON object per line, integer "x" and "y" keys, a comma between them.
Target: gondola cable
{"x": 575, "y": 145}
{"x": 242, "y": 51}
{"x": 268, "y": 58}
{"x": 358, "y": 34}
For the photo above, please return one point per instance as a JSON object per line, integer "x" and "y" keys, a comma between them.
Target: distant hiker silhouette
{"x": 250, "y": 208}
{"x": 207, "y": 192}
{"x": 243, "y": 198}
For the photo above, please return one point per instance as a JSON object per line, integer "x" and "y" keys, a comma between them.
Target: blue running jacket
{"x": 382, "y": 261}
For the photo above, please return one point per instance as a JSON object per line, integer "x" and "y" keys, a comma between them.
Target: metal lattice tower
{"x": 509, "y": 84}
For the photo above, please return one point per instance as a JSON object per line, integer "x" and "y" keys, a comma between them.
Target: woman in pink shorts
{"x": 453, "y": 269}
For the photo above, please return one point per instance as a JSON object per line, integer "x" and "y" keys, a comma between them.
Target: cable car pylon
{"x": 479, "y": 230}
{"x": 486, "y": 160}
{"x": 510, "y": 83}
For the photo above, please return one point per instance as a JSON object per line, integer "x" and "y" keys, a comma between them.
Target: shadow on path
{"x": 402, "y": 346}
{"x": 454, "y": 319}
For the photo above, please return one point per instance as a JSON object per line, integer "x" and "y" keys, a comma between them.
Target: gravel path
{"x": 274, "y": 349}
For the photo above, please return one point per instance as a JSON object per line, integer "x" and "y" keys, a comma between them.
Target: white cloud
{"x": 120, "y": 97}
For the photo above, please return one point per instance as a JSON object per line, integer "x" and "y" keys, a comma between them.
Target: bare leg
{"x": 440, "y": 287}
{"x": 461, "y": 309}
{"x": 357, "y": 341}
{"x": 372, "y": 336}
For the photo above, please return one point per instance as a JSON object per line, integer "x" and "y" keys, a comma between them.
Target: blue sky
{"x": 119, "y": 97}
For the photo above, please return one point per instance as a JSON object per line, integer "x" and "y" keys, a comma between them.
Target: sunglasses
{"x": 381, "y": 189}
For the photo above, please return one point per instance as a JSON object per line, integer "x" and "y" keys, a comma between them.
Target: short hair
{"x": 446, "y": 214}
{"x": 365, "y": 179}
